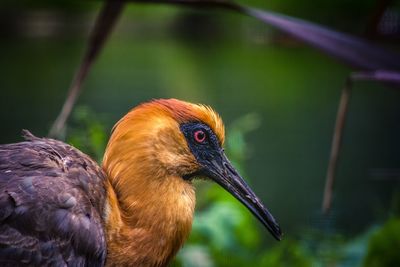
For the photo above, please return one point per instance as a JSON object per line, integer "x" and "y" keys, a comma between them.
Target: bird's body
{"x": 59, "y": 208}
{"x": 51, "y": 203}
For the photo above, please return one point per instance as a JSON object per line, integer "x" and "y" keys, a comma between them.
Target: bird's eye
{"x": 199, "y": 136}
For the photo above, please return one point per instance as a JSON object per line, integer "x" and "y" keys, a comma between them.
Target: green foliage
{"x": 87, "y": 132}
{"x": 327, "y": 246}
{"x": 383, "y": 248}
{"x": 222, "y": 233}
{"x": 236, "y": 144}
{"x": 289, "y": 252}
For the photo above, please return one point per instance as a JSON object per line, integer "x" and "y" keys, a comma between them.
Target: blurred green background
{"x": 278, "y": 99}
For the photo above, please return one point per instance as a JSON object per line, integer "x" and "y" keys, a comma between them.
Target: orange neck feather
{"x": 150, "y": 207}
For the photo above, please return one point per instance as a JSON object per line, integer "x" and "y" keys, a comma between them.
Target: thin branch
{"x": 102, "y": 28}
{"x": 391, "y": 78}
{"x": 336, "y": 144}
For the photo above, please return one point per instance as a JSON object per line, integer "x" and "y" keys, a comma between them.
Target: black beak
{"x": 222, "y": 172}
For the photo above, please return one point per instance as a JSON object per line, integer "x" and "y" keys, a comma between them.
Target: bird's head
{"x": 171, "y": 139}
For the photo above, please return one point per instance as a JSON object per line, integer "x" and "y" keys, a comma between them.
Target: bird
{"x": 58, "y": 207}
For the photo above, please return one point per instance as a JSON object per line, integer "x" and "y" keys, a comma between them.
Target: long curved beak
{"x": 222, "y": 172}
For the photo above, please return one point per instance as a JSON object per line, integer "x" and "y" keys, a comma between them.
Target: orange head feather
{"x": 150, "y": 134}
{"x": 184, "y": 112}
{"x": 145, "y": 159}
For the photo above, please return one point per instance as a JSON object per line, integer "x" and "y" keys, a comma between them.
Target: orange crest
{"x": 187, "y": 112}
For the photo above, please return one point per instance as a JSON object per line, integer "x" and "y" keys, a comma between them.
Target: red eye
{"x": 199, "y": 136}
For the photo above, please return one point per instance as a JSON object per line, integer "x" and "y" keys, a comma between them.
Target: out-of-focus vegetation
{"x": 87, "y": 132}
{"x": 383, "y": 245}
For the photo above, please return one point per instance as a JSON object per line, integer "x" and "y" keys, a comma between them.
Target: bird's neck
{"x": 150, "y": 206}
{"x": 147, "y": 223}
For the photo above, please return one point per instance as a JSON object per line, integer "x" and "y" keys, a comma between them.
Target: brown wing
{"x": 51, "y": 201}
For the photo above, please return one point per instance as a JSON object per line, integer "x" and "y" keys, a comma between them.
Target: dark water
{"x": 293, "y": 89}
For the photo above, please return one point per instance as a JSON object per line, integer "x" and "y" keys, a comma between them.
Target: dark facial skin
{"x": 208, "y": 152}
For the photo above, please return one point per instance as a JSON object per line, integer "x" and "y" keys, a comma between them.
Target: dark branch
{"x": 391, "y": 78}
{"x": 102, "y": 29}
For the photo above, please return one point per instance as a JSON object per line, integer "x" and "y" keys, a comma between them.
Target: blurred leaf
{"x": 289, "y": 252}
{"x": 218, "y": 224}
{"x": 327, "y": 246}
{"x": 87, "y": 132}
{"x": 237, "y": 147}
{"x": 195, "y": 256}
{"x": 354, "y": 51}
{"x": 383, "y": 248}
{"x": 356, "y": 249}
